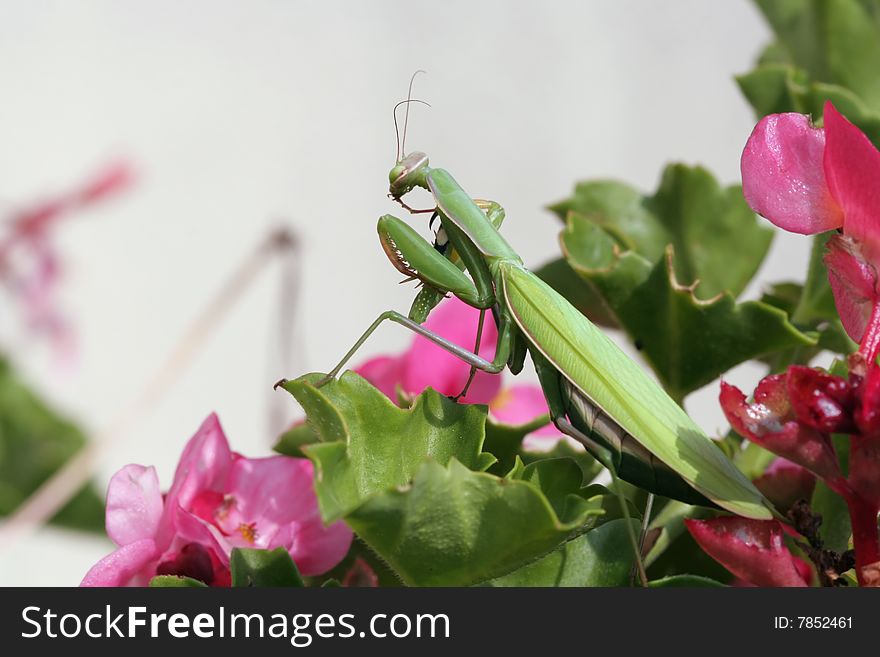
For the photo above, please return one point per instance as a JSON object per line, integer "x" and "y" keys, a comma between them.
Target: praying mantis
{"x": 595, "y": 393}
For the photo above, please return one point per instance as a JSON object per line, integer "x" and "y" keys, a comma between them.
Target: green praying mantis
{"x": 595, "y": 393}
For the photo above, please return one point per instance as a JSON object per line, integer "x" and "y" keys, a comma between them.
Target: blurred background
{"x": 237, "y": 117}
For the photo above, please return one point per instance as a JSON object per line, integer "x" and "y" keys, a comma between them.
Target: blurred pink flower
{"x": 810, "y": 180}
{"x": 219, "y": 500}
{"x": 29, "y": 264}
{"x": 425, "y": 364}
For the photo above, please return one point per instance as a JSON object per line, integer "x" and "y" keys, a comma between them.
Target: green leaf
{"x": 691, "y": 211}
{"x": 835, "y": 529}
{"x": 688, "y": 341}
{"x": 263, "y": 568}
{"x": 589, "y": 466}
{"x": 753, "y": 459}
{"x": 600, "y": 557}
{"x": 369, "y": 445}
{"x": 35, "y": 441}
{"x": 359, "y": 550}
{"x": 679, "y": 581}
{"x": 504, "y": 442}
{"x": 175, "y": 582}
{"x": 622, "y": 211}
{"x": 562, "y": 278}
{"x": 775, "y": 89}
{"x": 292, "y": 441}
{"x": 670, "y": 523}
{"x": 455, "y": 527}
{"x": 835, "y": 41}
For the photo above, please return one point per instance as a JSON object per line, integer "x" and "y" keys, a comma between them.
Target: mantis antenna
{"x": 401, "y": 146}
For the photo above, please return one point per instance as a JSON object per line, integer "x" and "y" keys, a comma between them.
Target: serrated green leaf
{"x": 691, "y": 211}
{"x": 589, "y": 466}
{"x": 622, "y": 211}
{"x": 835, "y": 41}
{"x": 291, "y": 442}
{"x": 774, "y": 89}
{"x": 359, "y": 550}
{"x": 35, "y": 441}
{"x": 455, "y": 527}
{"x": 175, "y": 582}
{"x": 369, "y": 445}
{"x": 562, "y": 278}
{"x": 688, "y": 341}
{"x": 828, "y": 50}
{"x": 504, "y": 442}
{"x": 600, "y": 557}
{"x": 263, "y": 568}
{"x": 557, "y": 479}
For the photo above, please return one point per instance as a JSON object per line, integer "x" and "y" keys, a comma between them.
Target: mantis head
{"x": 409, "y": 172}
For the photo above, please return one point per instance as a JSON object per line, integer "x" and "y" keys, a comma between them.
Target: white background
{"x": 237, "y": 114}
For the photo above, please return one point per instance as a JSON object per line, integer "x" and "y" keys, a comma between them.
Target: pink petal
{"x": 384, "y": 372}
{"x": 125, "y": 566}
{"x": 518, "y": 405}
{"x": 784, "y": 483}
{"x": 316, "y": 549}
{"x": 277, "y": 489}
{"x": 782, "y": 436}
{"x": 820, "y": 400}
{"x": 868, "y": 409}
{"x": 426, "y": 364}
{"x": 134, "y": 505}
{"x": 752, "y": 550}
{"x": 783, "y": 176}
{"x": 188, "y": 528}
{"x": 853, "y": 282}
{"x": 864, "y": 468}
{"x": 852, "y": 168}
{"x": 204, "y": 466}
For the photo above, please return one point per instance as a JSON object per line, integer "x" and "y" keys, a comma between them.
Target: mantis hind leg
{"x": 473, "y": 370}
{"x": 550, "y": 384}
{"x": 638, "y": 564}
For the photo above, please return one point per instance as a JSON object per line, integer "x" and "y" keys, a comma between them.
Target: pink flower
{"x": 770, "y": 422}
{"x": 29, "y": 265}
{"x": 753, "y": 550}
{"x": 794, "y": 415}
{"x": 784, "y": 483}
{"x": 425, "y": 364}
{"x": 810, "y": 180}
{"x": 219, "y": 500}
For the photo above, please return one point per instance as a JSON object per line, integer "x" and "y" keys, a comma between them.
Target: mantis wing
{"x": 617, "y": 385}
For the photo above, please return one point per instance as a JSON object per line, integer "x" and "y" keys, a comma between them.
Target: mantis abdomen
{"x": 632, "y": 462}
